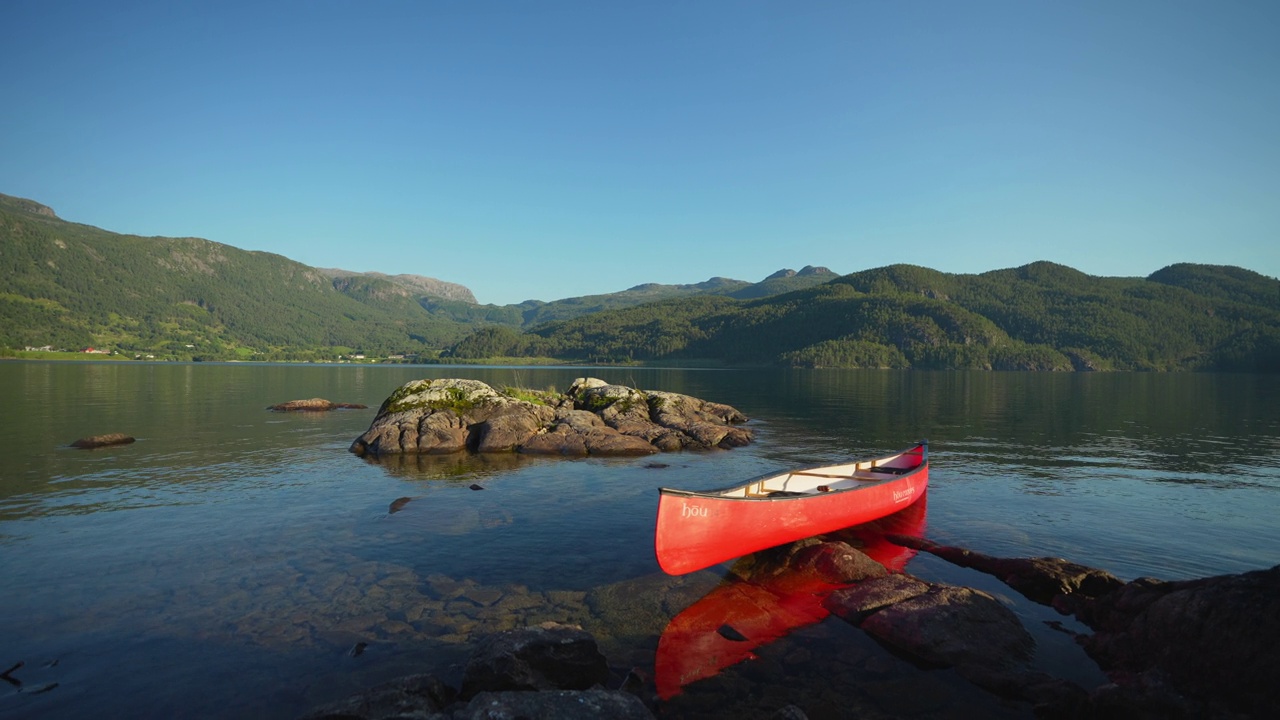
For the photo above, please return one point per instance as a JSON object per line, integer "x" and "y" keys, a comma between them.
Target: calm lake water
{"x": 235, "y": 562}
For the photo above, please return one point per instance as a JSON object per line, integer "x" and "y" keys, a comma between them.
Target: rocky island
{"x": 592, "y": 418}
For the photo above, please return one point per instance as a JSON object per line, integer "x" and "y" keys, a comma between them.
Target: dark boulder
{"x": 412, "y": 696}
{"x": 859, "y": 601}
{"x": 1215, "y": 639}
{"x": 834, "y": 562}
{"x": 550, "y": 672}
{"x": 953, "y": 627}
{"x": 593, "y": 704}
{"x": 550, "y": 656}
{"x": 1041, "y": 579}
{"x": 1184, "y": 649}
{"x": 837, "y": 562}
{"x": 961, "y": 628}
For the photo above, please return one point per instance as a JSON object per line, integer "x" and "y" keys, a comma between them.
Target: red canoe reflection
{"x": 729, "y": 623}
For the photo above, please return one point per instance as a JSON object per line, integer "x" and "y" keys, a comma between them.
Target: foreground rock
{"x": 550, "y": 671}
{"x": 313, "y": 405}
{"x": 1194, "y": 648}
{"x": 940, "y": 625}
{"x": 97, "y": 441}
{"x": 595, "y": 704}
{"x": 1041, "y": 579}
{"x": 402, "y": 697}
{"x": 1215, "y": 639}
{"x": 937, "y": 625}
{"x": 1189, "y": 649}
{"x": 546, "y": 657}
{"x": 593, "y": 418}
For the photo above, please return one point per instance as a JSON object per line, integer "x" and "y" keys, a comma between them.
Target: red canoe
{"x": 699, "y": 529}
{"x": 760, "y": 607}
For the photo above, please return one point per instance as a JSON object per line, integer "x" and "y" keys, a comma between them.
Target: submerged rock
{"x": 954, "y": 626}
{"x": 549, "y": 671}
{"x": 594, "y": 418}
{"x": 547, "y": 657}
{"x": 313, "y": 405}
{"x": 402, "y": 697}
{"x": 856, "y": 603}
{"x": 593, "y": 704}
{"x": 97, "y": 441}
{"x": 1041, "y": 579}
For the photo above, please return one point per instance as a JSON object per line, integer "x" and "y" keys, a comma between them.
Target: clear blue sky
{"x": 552, "y": 149}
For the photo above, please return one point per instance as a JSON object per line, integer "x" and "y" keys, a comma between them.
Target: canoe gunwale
{"x": 698, "y": 528}
{"x": 720, "y": 493}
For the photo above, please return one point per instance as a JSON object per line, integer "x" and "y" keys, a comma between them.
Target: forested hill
{"x": 70, "y": 286}
{"x": 424, "y": 287}
{"x": 533, "y": 312}
{"x": 1037, "y": 317}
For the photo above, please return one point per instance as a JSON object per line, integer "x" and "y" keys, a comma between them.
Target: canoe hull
{"x": 699, "y": 529}
{"x": 762, "y": 604}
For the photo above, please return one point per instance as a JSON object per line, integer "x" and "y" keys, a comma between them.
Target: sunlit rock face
{"x": 592, "y": 418}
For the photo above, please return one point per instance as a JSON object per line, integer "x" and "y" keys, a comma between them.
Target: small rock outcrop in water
{"x": 593, "y": 418}
{"x": 313, "y": 405}
{"x": 97, "y": 441}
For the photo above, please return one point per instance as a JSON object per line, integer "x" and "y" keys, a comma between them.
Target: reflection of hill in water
{"x": 1065, "y": 426}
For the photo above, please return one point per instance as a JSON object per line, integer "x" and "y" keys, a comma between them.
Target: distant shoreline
{"x": 79, "y": 357}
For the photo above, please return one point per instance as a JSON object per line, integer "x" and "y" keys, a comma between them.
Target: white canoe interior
{"x": 812, "y": 481}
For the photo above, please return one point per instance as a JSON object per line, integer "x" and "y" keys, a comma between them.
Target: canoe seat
{"x": 785, "y": 493}
{"x": 821, "y": 475}
{"x": 889, "y": 470}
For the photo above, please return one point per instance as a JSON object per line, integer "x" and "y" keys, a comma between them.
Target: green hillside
{"x": 72, "y": 286}
{"x": 532, "y": 312}
{"x": 1038, "y": 317}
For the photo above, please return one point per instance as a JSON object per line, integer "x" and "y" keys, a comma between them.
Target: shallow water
{"x": 235, "y": 562}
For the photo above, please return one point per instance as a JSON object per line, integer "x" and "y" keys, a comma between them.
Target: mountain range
{"x": 73, "y": 286}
